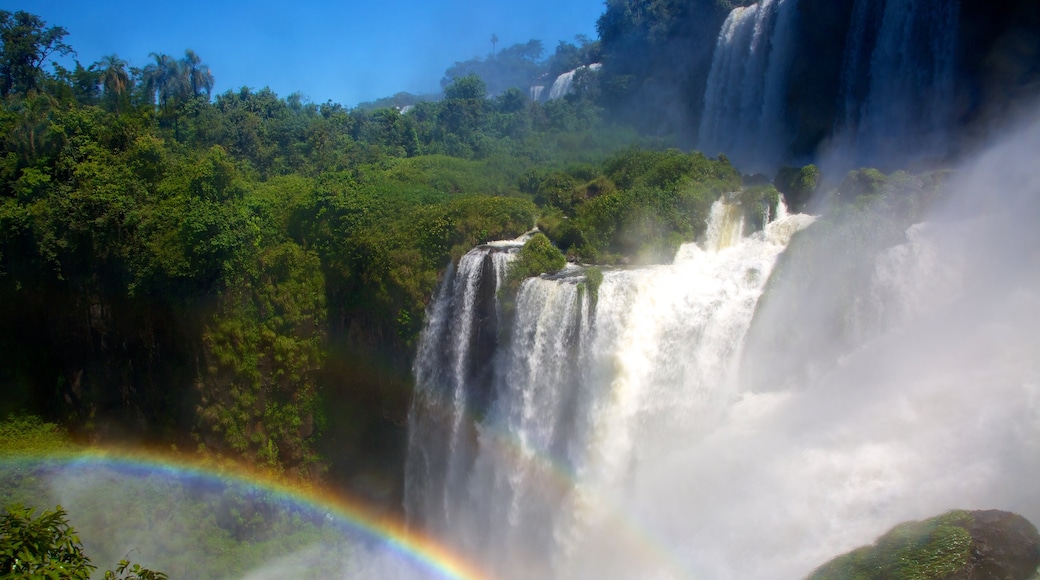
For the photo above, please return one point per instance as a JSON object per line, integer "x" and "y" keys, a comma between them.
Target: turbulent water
{"x": 744, "y": 99}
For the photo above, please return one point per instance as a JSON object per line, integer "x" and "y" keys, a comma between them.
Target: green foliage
{"x": 591, "y": 284}
{"x": 866, "y": 181}
{"x": 759, "y": 203}
{"x": 558, "y": 190}
{"x": 30, "y": 435}
{"x": 798, "y": 184}
{"x": 127, "y": 571}
{"x": 221, "y": 530}
{"x": 25, "y": 46}
{"x": 264, "y": 346}
{"x": 656, "y": 52}
{"x": 537, "y": 256}
{"x": 940, "y": 547}
{"x": 45, "y": 546}
{"x": 646, "y": 205}
{"x": 182, "y": 267}
{"x": 516, "y": 66}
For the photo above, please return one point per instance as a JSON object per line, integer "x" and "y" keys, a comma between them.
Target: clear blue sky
{"x": 345, "y": 51}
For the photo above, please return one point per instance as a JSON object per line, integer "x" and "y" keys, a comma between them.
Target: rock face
{"x": 959, "y": 545}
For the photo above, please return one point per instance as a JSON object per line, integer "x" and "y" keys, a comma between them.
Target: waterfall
{"x": 744, "y": 99}
{"x": 453, "y": 373}
{"x": 899, "y": 80}
{"x": 591, "y": 388}
{"x": 563, "y": 85}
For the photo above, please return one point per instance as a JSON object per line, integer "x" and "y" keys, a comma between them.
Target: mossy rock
{"x": 959, "y": 545}
{"x": 798, "y": 184}
{"x": 537, "y": 256}
{"x": 760, "y": 204}
{"x": 865, "y": 181}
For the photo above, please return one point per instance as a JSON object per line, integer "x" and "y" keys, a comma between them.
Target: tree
{"x": 114, "y": 79}
{"x": 462, "y": 112}
{"x": 516, "y": 66}
{"x": 198, "y": 76}
{"x": 163, "y": 78}
{"x": 494, "y": 42}
{"x": 48, "y": 547}
{"x": 25, "y": 44}
{"x": 467, "y": 87}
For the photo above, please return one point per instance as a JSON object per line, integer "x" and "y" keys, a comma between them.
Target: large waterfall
{"x": 613, "y": 434}
{"x": 744, "y": 100}
{"x": 899, "y": 80}
{"x": 590, "y": 388}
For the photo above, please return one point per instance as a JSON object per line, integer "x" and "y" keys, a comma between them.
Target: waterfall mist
{"x": 674, "y": 425}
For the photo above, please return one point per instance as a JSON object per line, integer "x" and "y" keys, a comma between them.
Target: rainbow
{"x": 388, "y": 531}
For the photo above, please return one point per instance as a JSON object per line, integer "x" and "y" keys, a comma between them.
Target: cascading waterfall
{"x": 563, "y": 85}
{"x": 594, "y": 386}
{"x": 454, "y": 373}
{"x": 898, "y": 80}
{"x": 744, "y": 99}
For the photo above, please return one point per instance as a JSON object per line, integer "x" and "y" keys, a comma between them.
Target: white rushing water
{"x": 585, "y": 396}
{"x": 744, "y": 99}
{"x": 451, "y": 375}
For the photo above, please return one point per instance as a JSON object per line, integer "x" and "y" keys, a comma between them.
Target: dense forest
{"x": 245, "y": 274}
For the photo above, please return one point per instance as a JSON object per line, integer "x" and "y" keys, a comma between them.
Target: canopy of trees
{"x": 246, "y": 275}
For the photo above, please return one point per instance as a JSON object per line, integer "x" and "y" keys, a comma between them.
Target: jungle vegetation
{"x": 244, "y": 275}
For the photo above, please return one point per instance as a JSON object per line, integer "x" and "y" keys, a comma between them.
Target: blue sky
{"x": 347, "y": 52}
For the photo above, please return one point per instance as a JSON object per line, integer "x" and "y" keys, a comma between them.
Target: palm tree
{"x": 163, "y": 77}
{"x": 198, "y": 76}
{"x": 114, "y": 78}
{"x": 494, "y": 41}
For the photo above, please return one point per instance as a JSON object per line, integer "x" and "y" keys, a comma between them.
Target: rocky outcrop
{"x": 961, "y": 545}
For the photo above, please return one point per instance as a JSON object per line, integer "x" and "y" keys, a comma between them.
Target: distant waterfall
{"x": 744, "y": 99}
{"x": 898, "y": 80}
{"x": 563, "y": 85}
{"x": 589, "y": 389}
